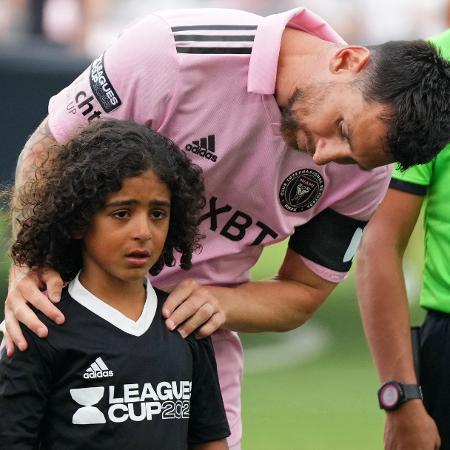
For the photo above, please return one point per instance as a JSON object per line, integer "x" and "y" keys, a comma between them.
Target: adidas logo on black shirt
{"x": 205, "y": 147}
{"x": 98, "y": 369}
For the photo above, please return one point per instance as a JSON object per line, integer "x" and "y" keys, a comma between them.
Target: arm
{"x": 276, "y": 305}
{"x": 208, "y": 425}
{"x": 25, "y": 383}
{"x": 384, "y": 310}
{"x": 24, "y": 284}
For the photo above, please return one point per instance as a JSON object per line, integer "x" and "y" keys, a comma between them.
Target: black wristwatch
{"x": 393, "y": 394}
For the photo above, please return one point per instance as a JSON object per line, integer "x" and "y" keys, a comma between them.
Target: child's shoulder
{"x": 70, "y": 309}
{"x": 65, "y": 305}
{"x": 74, "y": 333}
{"x": 160, "y": 295}
{"x": 203, "y": 345}
{"x": 201, "y": 348}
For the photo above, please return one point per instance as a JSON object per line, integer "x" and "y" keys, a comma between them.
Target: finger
{"x": 185, "y": 311}
{"x": 30, "y": 293}
{"x": 4, "y": 342}
{"x": 201, "y": 317}
{"x": 210, "y": 327}
{"x": 181, "y": 292}
{"x": 30, "y": 320}
{"x": 53, "y": 283}
{"x": 14, "y": 335}
{"x": 9, "y": 345}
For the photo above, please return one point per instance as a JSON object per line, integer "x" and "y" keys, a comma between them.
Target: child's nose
{"x": 142, "y": 228}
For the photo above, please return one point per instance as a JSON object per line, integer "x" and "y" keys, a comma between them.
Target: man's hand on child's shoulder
{"x": 193, "y": 307}
{"x": 27, "y": 287}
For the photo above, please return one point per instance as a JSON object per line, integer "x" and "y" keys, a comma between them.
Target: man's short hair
{"x": 413, "y": 80}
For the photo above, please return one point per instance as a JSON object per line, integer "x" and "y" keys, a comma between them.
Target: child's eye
{"x": 122, "y": 214}
{"x": 158, "y": 214}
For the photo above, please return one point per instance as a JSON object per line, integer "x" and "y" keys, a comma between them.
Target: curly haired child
{"x": 113, "y": 204}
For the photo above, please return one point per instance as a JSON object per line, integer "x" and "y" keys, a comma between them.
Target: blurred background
{"x": 310, "y": 389}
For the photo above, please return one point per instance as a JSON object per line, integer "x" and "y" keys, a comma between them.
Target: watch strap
{"x": 412, "y": 391}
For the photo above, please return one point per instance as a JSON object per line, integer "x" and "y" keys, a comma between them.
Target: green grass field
{"x": 328, "y": 402}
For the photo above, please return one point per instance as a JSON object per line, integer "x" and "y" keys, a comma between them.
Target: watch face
{"x": 389, "y": 395}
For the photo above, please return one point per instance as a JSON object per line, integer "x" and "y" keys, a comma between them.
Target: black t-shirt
{"x": 102, "y": 381}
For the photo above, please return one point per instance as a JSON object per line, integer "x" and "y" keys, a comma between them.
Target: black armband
{"x": 329, "y": 239}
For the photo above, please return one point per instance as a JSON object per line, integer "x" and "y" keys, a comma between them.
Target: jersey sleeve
{"x": 25, "y": 386}
{"x": 132, "y": 80}
{"x": 328, "y": 242}
{"x": 414, "y": 180}
{"x": 207, "y": 420}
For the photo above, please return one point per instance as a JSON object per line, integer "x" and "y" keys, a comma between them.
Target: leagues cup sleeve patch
{"x": 102, "y": 87}
{"x": 301, "y": 190}
{"x": 329, "y": 239}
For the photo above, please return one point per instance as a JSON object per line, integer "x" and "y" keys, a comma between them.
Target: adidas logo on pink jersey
{"x": 204, "y": 147}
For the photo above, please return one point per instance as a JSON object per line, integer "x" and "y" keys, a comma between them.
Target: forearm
{"x": 385, "y": 315}
{"x": 24, "y": 285}
{"x": 275, "y": 305}
{"x": 36, "y": 147}
{"x": 381, "y": 286}
{"x": 384, "y": 311}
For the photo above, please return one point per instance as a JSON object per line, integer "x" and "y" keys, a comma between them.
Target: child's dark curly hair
{"x": 72, "y": 183}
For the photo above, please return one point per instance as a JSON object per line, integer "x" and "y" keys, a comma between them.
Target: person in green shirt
{"x": 411, "y": 424}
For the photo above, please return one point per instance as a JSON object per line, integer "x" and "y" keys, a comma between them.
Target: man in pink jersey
{"x": 267, "y": 107}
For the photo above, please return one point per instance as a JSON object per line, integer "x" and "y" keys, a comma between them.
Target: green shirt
{"x": 433, "y": 181}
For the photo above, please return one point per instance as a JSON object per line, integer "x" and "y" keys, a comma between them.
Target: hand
{"x": 192, "y": 307}
{"x": 27, "y": 290}
{"x": 411, "y": 428}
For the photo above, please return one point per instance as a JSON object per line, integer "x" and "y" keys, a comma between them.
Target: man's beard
{"x": 305, "y": 101}
{"x": 289, "y": 125}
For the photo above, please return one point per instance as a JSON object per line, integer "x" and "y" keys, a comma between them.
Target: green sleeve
{"x": 442, "y": 41}
{"x": 420, "y": 174}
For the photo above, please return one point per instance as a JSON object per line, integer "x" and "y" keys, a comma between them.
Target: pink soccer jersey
{"x": 205, "y": 78}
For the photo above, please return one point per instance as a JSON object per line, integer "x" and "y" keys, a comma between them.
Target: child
{"x": 111, "y": 205}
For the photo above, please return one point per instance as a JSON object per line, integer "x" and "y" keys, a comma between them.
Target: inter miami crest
{"x": 301, "y": 190}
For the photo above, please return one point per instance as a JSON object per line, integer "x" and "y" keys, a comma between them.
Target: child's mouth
{"x": 138, "y": 258}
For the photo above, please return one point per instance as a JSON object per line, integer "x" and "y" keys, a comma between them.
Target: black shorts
{"x": 435, "y": 371}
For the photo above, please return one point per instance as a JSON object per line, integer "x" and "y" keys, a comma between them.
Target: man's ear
{"x": 352, "y": 59}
